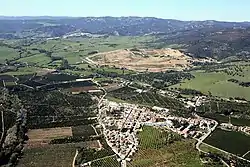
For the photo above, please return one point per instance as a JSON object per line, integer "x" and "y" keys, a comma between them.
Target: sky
{"x": 223, "y": 10}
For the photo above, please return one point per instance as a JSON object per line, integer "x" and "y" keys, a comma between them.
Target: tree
{"x": 65, "y": 64}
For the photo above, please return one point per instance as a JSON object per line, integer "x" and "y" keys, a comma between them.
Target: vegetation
{"x": 217, "y": 83}
{"x": 83, "y": 130}
{"x": 160, "y": 80}
{"x": 87, "y": 154}
{"x": 218, "y": 137}
{"x": 220, "y": 110}
{"x": 13, "y": 134}
{"x": 106, "y": 162}
{"x": 175, "y": 153}
{"x": 150, "y": 98}
{"x": 50, "y": 155}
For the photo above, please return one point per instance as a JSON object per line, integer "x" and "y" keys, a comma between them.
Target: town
{"x": 121, "y": 123}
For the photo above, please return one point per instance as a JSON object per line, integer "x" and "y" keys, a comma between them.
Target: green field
{"x": 75, "y": 48}
{"x": 60, "y": 155}
{"x": 25, "y": 71}
{"x": 152, "y": 151}
{"x": 7, "y": 53}
{"x": 233, "y": 142}
{"x": 39, "y": 59}
{"x": 217, "y": 84}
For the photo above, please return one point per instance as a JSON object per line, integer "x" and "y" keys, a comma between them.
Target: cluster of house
{"x": 192, "y": 127}
{"x": 121, "y": 123}
{"x": 227, "y": 126}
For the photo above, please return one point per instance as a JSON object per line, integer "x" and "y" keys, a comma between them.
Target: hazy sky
{"x": 228, "y": 10}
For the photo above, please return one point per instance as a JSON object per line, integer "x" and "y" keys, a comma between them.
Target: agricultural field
{"x": 29, "y": 71}
{"x": 7, "y": 53}
{"x": 156, "y": 60}
{"x": 220, "y": 111}
{"x": 73, "y": 49}
{"x": 60, "y": 155}
{"x": 41, "y": 60}
{"x": 38, "y": 137}
{"x": 218, "y": 83}
{"x": 148, "y": 98}
{"x": 236, "y": 142}
{"x": 49, "y": 109}
{"x": 90, "y": 153}
{"x": 106, "y": 162}
{"x": 177, "y": 153}
{"x": 83, "y": 130}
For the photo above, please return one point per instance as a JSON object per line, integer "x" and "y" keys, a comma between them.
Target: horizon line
{"x": 61, "y": 16}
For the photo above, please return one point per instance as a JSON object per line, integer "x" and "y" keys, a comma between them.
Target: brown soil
{"x": 154, "y": 60}
{"x": 40, "y": 137}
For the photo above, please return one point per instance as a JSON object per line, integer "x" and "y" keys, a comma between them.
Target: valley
{"x": 111, "y": 96}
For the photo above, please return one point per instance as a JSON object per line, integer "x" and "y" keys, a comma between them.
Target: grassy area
{"x": 233, "y": 142}
{"x": 156, "y": 153}
{"x": 75, "y": 48}
{"x": 39, "y": 59}
{"x": 115, "y": 99}
{"x": 217, "y": 84}
{"x": 25, "y": 71}
{"x": 60, "y": 155}
{"x": 7, "y": 53}
{"x": 207, "y": 148}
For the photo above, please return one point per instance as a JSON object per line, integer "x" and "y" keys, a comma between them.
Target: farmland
{"x": 44, "y": 136}
{"x": 179, "y": 152}
{"x": 83, "y": 130}
{"x": 106, "y": 162}
{"x": 148, "y": 98}
{"x": 7, "y": 53}
{"x": 218, "y": 137}
{"x": 218, "y": 83}
{"x": 49, "y": 155}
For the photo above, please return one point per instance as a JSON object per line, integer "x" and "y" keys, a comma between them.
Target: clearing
{"x": 154, "y": 60}
{"x": 44, "y": 136}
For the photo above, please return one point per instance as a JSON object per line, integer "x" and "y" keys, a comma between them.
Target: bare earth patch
{"x": 153, "y": 60}
{"x": 40, "y": 137}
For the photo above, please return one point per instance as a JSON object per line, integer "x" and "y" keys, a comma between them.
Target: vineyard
{"x": 156, "y": 148}
{"x": 158, "y": 138}
{"x": 110, "y": 161}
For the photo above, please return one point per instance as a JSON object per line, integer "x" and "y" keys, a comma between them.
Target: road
{"x": 74, "y": 160}
{"x": 200, "y": 141}
{"x": 3, "y": 127}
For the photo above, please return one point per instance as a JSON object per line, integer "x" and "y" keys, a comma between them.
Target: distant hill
{"x": 207, "y": 38}
{"x": 132, "y": 26}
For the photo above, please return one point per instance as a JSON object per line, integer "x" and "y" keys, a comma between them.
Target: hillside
{"x": 132, "y": 26}
{"x": 209, "y": 38}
